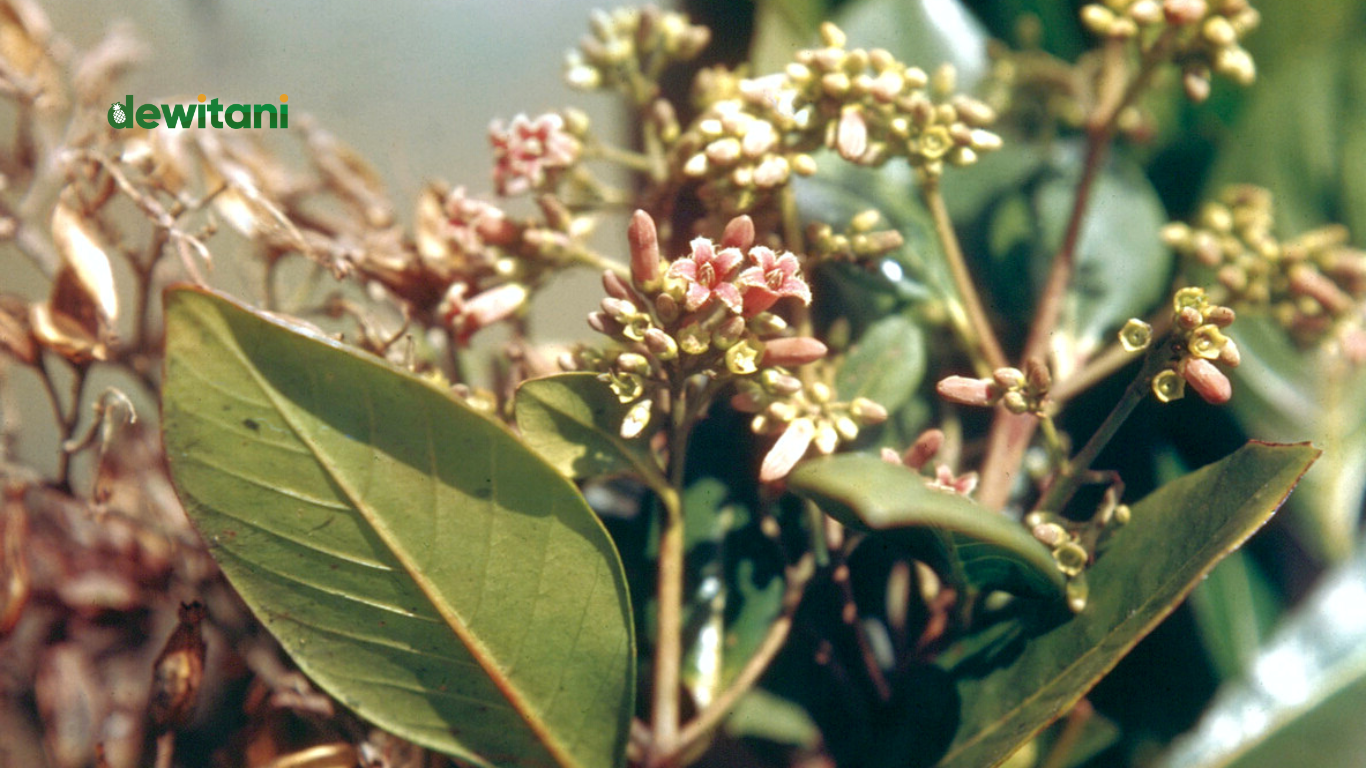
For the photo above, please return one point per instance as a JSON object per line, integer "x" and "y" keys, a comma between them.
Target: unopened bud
{"x": 1182, "y": 12}
{"x": 644, "y": 243}
{"x": 728, "y": 332}
{"x": 1009, "y": 378}
{"x": 1015, "y": 402}
{"x": 793, "y": 351}
{"x": 739, "y": 233}
{"x": 666, "y": 307}
{"x": 1207, "y": 380}
{"x": 867, "y": 412}
{"x": 790, "y": 448}
{"x": 614, "y": 286}
{"x": 1189, "y": 318}
{"x": 1221, "y": 317}
{"x": 967, "y": 391}
{"x": 1050, "y": 534}
{"x": 661, "y": 344}
{"x": 1037, "y": 376}
{"x": 781, "y": 383}
{"x": 923, "y": 449}
{"x": 178, "y": 671}
{"x": 851, "y": 137}
{"x": 1229, "y": 355}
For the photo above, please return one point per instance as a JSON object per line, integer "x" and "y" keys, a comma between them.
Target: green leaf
{"x": 1285, "y": 393}
{"x": 954, "y": 535}
{"x": 573, "y": 421}
{"x": 412, "y": 556}
{"x": 886, "y": 365}
{"x": 1176, "y": 535}
{"x": 1302, "y": 699}
{"x": 761, "y": 714}
{"x": 1235, "y": 608}
{"x": 922, "y": 33}
{"x": 781, "y": 28}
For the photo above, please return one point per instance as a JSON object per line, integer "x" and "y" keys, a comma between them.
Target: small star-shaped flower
{"x": 771, "y": 278}
{"x": 707, "y": 273}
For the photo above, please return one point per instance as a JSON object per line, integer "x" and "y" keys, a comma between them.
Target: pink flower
{"x": 771, "y": 278}
{"x": 475, "y": 223}
{"x": 707, "y": 273}
{"x": 527, "y": 149}
{"x": 944, "y": 480}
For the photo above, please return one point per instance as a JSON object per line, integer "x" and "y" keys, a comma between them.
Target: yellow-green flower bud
{"x": 1168, "y": 386}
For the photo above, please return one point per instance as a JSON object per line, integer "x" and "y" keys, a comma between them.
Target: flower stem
{"x": 669, "y": 590}
{"x": 1067, "y": 481}
{"x": 1010, "y": 434}
{"x": 977, "y": 333}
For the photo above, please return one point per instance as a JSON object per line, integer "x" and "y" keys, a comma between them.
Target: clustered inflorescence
{"x": 708, "y": 313}
{"x": 1203, "y": 35}
{"x": 1196, "y": 344}
{"x": 1314, "y": 285}
{"x": 864, "y": 104}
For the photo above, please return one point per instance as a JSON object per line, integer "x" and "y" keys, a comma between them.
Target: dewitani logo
{"x": 201, "y": 115}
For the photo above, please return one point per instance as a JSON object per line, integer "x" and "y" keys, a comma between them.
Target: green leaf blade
{"x": 573, "y": 420}
{"x": 1176, "y": 535}
{"x": 874, "y": 495}
{"x": 411, "y": 556}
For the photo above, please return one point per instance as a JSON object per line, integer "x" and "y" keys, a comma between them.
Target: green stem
{"x": 976, "y": 333}
{"x": 669, "y": 591}
{"x": 1060, "y": 491}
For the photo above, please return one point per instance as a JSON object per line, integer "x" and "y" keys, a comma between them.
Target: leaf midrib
{"x": 476, "y": 649}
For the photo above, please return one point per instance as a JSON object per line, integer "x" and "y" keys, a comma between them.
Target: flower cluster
{"x": 803, "y": 416}
{"x": 1313, "y": 285}
{"x": 1206, "y": 34}
{"x": 866, "y": 105}
{"x": 632, "y": 44}
{"x": 861, "y": 240}
{"x": 740, "y": 156}
{"x": 1197, "y": 343}
{"x": 530, "y": 153}
{"x": 1019, "y": 391}
{"x": 704, "y": 313}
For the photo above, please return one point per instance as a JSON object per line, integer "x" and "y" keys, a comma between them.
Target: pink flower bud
{"x": 644, "y": 241}
{"x": 1180, "y": 12}
{"x": 967, "y": 391}
{"x": 739, "y": 233}
{"x": 851, "y": 137}
{"x": 791, "y": 352}
{"x": 1207, "y": 380}
{"x": 790, "y": 448}
{"x": 614, "y": 286}
{"x": 923, "y": 449}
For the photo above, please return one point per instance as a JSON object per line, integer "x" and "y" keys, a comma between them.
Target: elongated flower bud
{"x": 790, "y": 448}
{"x": 967, "y": 391}
{"x": 644, "y": 241}
{"x": 1207, "y": 380}
{"x": 794, "y": 351}
{"x": 923, "y": 449}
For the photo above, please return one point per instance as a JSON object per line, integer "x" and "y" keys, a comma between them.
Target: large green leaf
{"x": 1176, "y": 535}
{"x": 1301, "y": 701}
{"x": 411, "y": 555}
{"x": 573, "y": 421}
{"x": 950, "y": 532}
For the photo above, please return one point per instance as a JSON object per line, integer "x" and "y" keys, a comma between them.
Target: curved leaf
{"x": 573, "y": 421}
{"x": 953, "y": 534}
{"x": 1176, "y": 535}
{"x": 412, "y": 557}
{"x": 1302, "y": 695}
